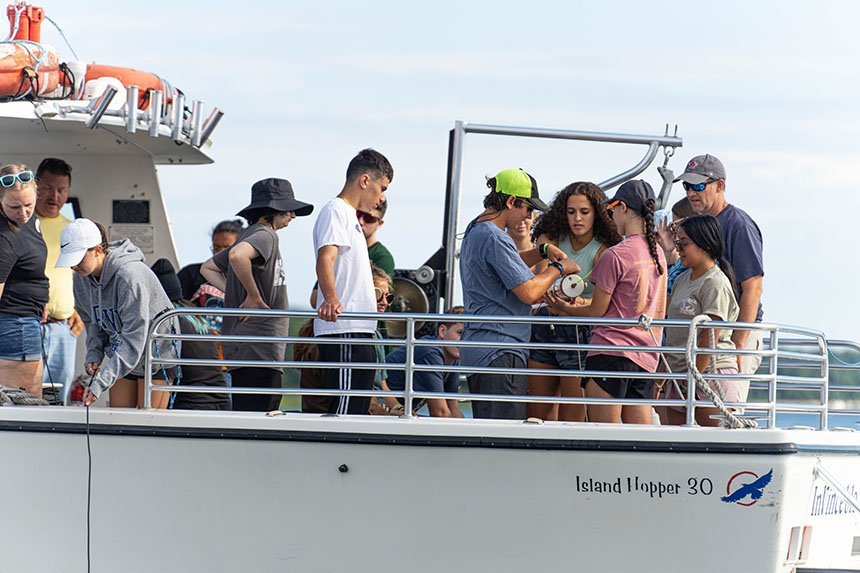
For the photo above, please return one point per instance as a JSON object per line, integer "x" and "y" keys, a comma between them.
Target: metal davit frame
{"x": 455, "y": 161}
{"x": 793, "y": 378}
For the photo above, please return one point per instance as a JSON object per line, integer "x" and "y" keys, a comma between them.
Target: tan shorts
{"x": 749, "y": 364}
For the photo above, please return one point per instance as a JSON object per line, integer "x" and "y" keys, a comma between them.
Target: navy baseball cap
{"x": 634, "y": 194}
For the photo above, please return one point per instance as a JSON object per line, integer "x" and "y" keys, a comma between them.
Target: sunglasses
{"x": 367, "y": 217}
{"x": 698, "y": 187}
{"x": 612, "y": 206}
{"x": 389, "y": 298}
{"x": 9, "y": 179}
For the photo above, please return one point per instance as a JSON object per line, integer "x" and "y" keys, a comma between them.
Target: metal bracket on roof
{"x": 160, "y": 112}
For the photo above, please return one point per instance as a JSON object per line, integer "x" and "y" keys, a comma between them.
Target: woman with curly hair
{"x": 629, "y": 281}
{"x": 578, "y": 225}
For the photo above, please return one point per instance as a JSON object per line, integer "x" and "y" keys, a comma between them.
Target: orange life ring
{"x": 130, "y": 77}
{"x": 15, "y": 58}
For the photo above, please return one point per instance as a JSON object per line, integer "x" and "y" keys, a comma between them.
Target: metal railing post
{"x": 453, "y": 213}
{"x": 409, "y": 368}
{"x": 771, "y": 383}
{"x": 147, "y": 372}
{"x": 825, "y": 384}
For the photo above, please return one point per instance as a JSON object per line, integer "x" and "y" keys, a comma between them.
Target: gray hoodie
{"x": 117, "y": 310}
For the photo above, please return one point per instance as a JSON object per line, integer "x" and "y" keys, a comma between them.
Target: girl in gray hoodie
{"x": 117, "y": 296}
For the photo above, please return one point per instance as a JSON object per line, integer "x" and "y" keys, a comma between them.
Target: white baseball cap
{"x": 78, "y": 236}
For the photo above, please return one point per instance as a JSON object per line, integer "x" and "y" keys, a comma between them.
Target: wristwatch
{"x": 557, "y": 265}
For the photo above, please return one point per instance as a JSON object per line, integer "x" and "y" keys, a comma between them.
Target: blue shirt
{"x": 422, "y": 381}
{"x": 490, "y": 266}
{"x": 674, "y": 271}
{"x": 743, "y": 246}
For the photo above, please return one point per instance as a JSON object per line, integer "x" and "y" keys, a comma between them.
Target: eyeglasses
{"x": 681, "y": 244}
{"x": 380, "y": 294}
{"x": 612, "y": 206}
{"x": 698, "y": 187}
{"x": 9, "y": 179}
{"x": 367, "y": 217}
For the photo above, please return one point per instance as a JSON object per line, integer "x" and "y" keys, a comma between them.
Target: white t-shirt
{"x": 337, "y": 224}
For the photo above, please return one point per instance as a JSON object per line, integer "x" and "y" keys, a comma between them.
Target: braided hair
{"x": 554, "y": 223}
{"x": 651, "y": 232}
{"x": 707, "y": 234}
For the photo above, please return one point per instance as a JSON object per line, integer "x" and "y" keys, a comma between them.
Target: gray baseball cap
{"x": 702, "y": 168}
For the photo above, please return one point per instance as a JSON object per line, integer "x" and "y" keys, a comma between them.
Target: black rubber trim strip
{"x": 411, "y": 440}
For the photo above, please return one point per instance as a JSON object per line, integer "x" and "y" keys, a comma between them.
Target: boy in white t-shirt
{"x": 345, "y": 280}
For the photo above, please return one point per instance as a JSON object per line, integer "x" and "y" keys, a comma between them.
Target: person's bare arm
{"x": 666, "y": 239}
{"x": 438, "y": 408}
{"x": 533, "y": 289}
{"x": 750, "y": 299}
{"x": 541, "y": 265}
{"x": 454, "y": 407}
{"x": 532, "y": 257}
{"x": 240, "y": 258}
{"x": 331, "y": 306}
{"x": 213, "y": 275}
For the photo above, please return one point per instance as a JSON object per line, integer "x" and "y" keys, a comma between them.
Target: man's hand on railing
{"x": 329, "y": 310}
{"x": 253, "y": 302}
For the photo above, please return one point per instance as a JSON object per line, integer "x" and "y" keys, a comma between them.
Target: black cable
{"x": 89, "y": 484}
{"x": 45, "y": 363}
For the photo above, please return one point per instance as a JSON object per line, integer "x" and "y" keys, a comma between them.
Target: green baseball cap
{"x": 520, "y": 184}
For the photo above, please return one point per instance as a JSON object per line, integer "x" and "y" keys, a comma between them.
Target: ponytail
{"x": 727, "y": 269}
{"x": 105, "y": 243}
{"x": 651, "y": 233}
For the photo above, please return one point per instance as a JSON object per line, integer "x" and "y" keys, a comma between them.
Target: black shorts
{"x": 635, "y": 388}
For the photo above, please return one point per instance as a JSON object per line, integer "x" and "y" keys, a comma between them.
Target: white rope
{"x": 29, "y": 47}
{"x": 19, "y": 9}
{"x": 730, "y": 420}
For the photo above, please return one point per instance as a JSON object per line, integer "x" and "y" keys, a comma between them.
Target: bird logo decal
{"x": 754, "y": 490}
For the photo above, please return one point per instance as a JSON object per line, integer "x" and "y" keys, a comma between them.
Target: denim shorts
{"x": 560, "y": 333}
{"x": 20, "y": 338}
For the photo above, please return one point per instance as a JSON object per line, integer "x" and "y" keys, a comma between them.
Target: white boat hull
{"x": 197, "y": 492}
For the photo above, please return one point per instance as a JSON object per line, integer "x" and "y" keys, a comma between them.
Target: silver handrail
{"x": 775, "y": 353}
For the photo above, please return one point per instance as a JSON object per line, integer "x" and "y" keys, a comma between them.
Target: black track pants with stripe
{"x": 347, "y": 378}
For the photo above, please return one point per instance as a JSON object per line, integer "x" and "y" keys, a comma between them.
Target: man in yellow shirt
{"x": 62, "y": 323}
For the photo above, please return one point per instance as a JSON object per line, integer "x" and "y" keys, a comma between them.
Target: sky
{"x": 771, "y": 88}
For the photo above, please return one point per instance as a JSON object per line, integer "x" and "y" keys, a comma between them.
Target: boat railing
{"x": 793, "y": 376}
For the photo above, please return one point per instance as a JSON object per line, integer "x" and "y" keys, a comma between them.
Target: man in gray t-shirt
{"x": 497, "y": 281}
